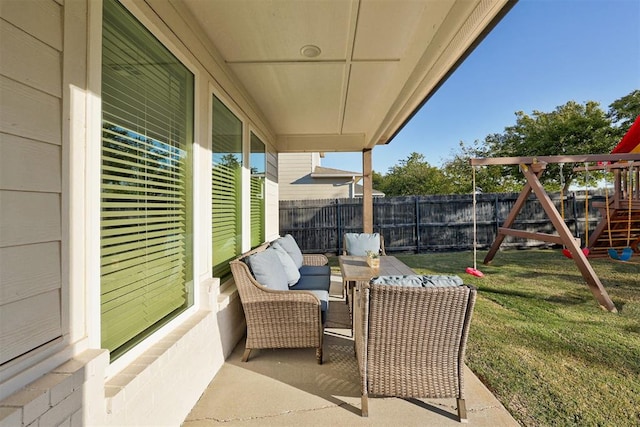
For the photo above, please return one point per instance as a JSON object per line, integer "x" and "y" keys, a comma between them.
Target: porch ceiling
{"x": 379, "y": 60}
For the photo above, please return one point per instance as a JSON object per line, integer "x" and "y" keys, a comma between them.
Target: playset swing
{"x": 474, "y": 270}
{"x": 627, "y": 251}
{"x": 618, "y": 234}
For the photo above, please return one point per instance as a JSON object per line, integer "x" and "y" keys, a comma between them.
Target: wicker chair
{"x": 410, "y": 342}
{"x": 278, "y": 319}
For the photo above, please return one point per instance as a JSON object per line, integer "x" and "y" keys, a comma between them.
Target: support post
{"x": 367, "y": 191}
{"x": 531, "y": 173}
{"x": 532, "y": 167}
{"x": 508, "y": 222}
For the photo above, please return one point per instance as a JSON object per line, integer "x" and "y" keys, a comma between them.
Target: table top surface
{"x": 355, "y": 268}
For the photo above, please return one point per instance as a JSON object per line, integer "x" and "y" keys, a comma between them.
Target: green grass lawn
{"x": 540, "y": 341}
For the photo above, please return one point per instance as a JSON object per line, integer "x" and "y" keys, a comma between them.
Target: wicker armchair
{"x": 410, "y": 342}
{"x": 278, "y": 319}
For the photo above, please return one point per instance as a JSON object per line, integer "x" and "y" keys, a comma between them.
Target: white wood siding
{"x": 272, "y": 207}
{"x": 296, "y": 182}
{"x": 30, "y": 175}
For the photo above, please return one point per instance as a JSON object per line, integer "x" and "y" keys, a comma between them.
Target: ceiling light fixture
{"x": 310, "y": 51}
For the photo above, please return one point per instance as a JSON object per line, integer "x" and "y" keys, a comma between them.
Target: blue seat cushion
{"x": 315, "y": 270}
{"x": 418, "y": 281}
{"x": 410, "y": 281}
{"x": 312, "y": 283}
{"x": 439, "y": 281}
{"x": 323, "y": 296}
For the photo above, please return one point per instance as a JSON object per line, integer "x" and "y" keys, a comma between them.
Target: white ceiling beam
{"x": 451, "y": 45}
{"x": 320, "y": 143}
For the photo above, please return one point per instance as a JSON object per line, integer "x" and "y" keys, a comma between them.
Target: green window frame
{"x": 258, "y": 164}
{"x": 146, "y": 189}
{"x": 226, "y": 187}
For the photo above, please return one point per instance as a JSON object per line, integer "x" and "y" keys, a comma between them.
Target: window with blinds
{"x": 226, "y": 187}
{"x": 146, "y": 192}
{"x": 257, "y": 161}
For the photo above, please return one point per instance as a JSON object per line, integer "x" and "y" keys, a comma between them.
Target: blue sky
{"x": 542, "y": 54}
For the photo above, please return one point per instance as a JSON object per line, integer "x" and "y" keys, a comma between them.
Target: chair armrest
{"x": 314, "y": 259}
{"x": 294, "y": 307}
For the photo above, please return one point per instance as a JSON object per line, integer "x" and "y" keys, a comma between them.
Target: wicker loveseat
{"x": 410, "y": 335}
{"x": 283, "y": 316}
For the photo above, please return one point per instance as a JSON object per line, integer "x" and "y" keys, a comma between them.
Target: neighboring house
{"x": 139, "y": 144}
{"x": 300, "y": 177}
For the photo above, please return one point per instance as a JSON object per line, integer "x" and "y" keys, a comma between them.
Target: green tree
{"x": 623, "y": 112}
{"x": 414, "y": 176}
{"x": 571, "y": 128}
{"x": 489, "y": 179}
{"x": 377, "y": 180}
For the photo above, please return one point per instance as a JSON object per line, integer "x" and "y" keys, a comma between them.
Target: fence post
{"x": 495, "y": 215}
{"x": 417, "y": 216}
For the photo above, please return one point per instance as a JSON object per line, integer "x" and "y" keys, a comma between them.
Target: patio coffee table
{"x": 355, "y": 270}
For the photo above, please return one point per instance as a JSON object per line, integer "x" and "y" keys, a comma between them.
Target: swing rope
{"x": 566, "y": 252}
{"x": 586, "y": 208}
{"x": 629, "y": 192}
{"x": 627, "y": 252}
{"x": 562, "y": 191}
{"x": 474, "y": 270}
{"x": 606, "y": 202}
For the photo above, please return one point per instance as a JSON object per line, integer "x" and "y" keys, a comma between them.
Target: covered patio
{"x": 139, "y": 147}
{"x": 287, "y": 387}
{"x": 354, "y": 87}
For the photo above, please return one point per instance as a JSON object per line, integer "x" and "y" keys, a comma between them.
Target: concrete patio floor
{"x": 287, "y": 387}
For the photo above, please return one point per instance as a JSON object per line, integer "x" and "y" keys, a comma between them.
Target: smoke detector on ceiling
{"x": 310, "y": 51}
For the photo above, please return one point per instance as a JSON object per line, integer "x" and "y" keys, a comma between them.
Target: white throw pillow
{"x": 268, "y": 270}
{"x": 293, "y": 274}
{"x": 288, "y": 243}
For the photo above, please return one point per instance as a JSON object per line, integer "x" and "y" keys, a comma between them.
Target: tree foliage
{"x": 490, "y": 179}
{"x": 572, "y": 128}
{"x": 414, "y": 176}
{"x": 624, "y": 111}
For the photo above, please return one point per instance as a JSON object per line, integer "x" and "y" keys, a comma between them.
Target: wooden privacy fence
{"x": 428, "y": 223}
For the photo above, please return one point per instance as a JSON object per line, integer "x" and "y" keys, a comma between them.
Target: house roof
{"x": 376, "y": 63}
{"x": 358, "y": 191}
{"x": 322, "y": 172}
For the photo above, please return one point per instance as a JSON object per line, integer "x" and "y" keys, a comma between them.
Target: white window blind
{"x": 146, "y": 205}
{"x": 258, "y": 168}
{"x": 226, "y": 187}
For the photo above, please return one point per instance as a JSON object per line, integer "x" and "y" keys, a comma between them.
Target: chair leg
{"x": 365, "y": 405}
{"x": 462, "y": 411}
{"x": 245, "y": 356}
{"x": 319, "y": 355}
